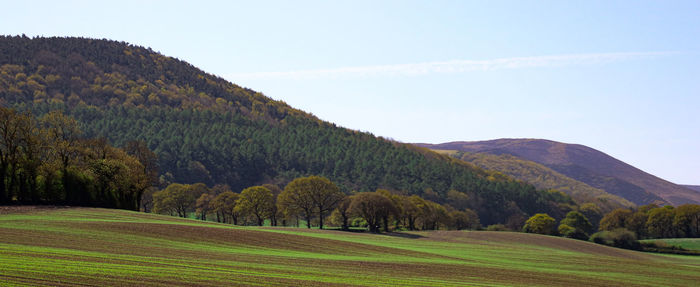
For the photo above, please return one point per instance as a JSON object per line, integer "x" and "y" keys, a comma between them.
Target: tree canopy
{"x": 48, "y": 161}
{"x": 540, "y": 223}
{"x": 256, "y": 201}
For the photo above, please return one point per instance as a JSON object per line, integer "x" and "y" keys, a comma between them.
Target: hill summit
{"x": 586, "y": 165}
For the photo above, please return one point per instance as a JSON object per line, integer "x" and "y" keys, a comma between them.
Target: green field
{"x": 685, "y": 243}
{"x": 96, "y": 247}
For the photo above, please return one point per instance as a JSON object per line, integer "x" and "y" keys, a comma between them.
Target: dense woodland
{"x": 47, "y": 161}
{"x": 205, "y": 129}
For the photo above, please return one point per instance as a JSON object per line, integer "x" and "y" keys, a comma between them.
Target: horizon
{"x": 624, "y": 84}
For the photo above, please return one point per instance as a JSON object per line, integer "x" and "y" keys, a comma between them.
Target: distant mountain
{"x": 693, "y": 187}
{"x": 541, "y": 177}
{"x": 206, "y": 129}
{"x": 587, "y": 165}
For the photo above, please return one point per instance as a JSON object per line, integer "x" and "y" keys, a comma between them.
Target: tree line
{"x": 314, "y": 200}
{"x": 47, "y": 160}
{"x": 653, "y": 221}
{"x": 622, "y": 227}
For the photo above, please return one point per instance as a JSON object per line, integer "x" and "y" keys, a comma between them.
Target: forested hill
{"x": 587, "y": 165}
{"x": 205, "y": 129}
{"x": 106, "y": 73}
{"x": 542, "y": 177}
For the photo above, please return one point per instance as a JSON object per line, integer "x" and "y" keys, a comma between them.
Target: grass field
{"x": 96, "y": 247}
{"x": 685, "y": 243}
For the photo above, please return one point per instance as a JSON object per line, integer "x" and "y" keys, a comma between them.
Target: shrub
{"x": 621, "y": 238}
{"x": 578, "y": 221}
{"x": 358, "y": 222}
{"x": 570, "y": 232}
{"x": 497, "y": 227}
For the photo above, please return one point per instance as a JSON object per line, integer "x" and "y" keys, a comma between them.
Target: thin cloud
{"x": 454, "y": 66}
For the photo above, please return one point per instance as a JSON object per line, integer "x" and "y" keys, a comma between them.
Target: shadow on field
{"x": 402, "y": 235}
{"x": 392, "y": 234}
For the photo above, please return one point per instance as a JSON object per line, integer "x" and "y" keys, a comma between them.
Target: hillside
{"x": 543, "y": 177}
{"x": 587, "y": 165}
{"x": 205, "y": 129}
{"x": 693, "y": 187}
{"x": 86, "y": 246}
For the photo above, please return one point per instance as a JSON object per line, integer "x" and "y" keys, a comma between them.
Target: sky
{"x": 622, "y": 77}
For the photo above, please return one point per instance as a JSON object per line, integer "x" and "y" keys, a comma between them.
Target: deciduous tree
{"x": 343, "y": 212}
{"x": 540, "y": 223}
{"x": 256, "y": 201}
{"x": 224, "y": 205}
{"x": 660, "y": 222}
{"x": 687, "y": 220}
{"x": 372, "y": 207}
{"x": 174, "y": 199}
{"x": 295, "y": 200}
{"x": 203, "y": 205}
{"x": 578, "y": 221}
{"x": 310, "y": 195}
{"x": 467, "y": 219}
{"x": 615, "y": 219}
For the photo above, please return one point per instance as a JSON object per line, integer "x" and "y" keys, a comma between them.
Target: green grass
{"x": 114, "y": 247}
{"x": 685, "y": 243}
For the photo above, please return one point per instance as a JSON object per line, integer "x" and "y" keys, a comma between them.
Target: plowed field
{"x": 98, "y": 247}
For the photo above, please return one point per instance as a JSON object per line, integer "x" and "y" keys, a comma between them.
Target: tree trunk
{"x": 3, "y": 188}
{"x": 308, "y": 221}
{"x": 139, "y": 196}
{"x": 67, "y": 191}
{"x": 345, "y": 221}
{"x": 373, "y": 225}
{"x": 320, "y": 219}
{"x": 10, "y": 183}
{"x": 33, "y": 188}
{"x": 23, "y": 192}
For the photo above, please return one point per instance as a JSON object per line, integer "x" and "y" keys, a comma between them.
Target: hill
{"x": 205, "y": 129}
{"x": 587, "y": 165}
{"x": 86, "y": 246}
{"x": 542, "y": 177}
{"x": 693, "y": 187}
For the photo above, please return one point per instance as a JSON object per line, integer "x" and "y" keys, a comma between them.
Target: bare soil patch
{"x": 10, "y": 209}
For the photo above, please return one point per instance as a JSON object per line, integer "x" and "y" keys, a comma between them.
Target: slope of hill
{"x": 205, "y": 129}
{"x": 586, "y": 165}
{"x": 543, "y": 177}
{"x": 693, "y": 187}
{"x": 83, "y": 246}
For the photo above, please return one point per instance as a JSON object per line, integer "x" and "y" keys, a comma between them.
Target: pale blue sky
{"x": 621, "y": 77}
